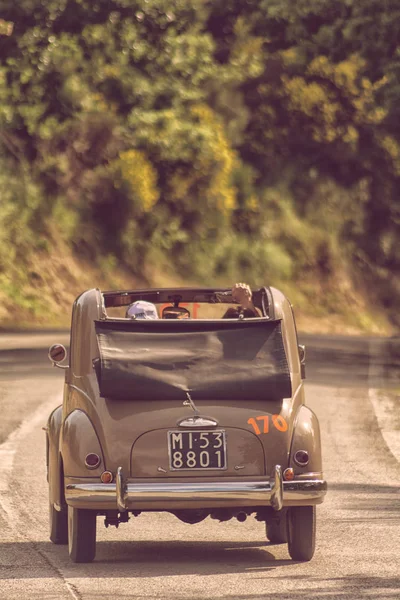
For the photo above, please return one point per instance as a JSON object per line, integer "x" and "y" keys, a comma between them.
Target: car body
{"x": 201, "y": 416}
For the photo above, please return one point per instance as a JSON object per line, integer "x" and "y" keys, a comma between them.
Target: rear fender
{"x": 306, "y": 436}
{"x": 79, "y": 438}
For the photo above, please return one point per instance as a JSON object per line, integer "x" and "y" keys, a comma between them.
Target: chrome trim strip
{"x": 120, "y": 490}
{"x": 310, "y": 475}
{"x": 128, "y": 496}
{"x": 303, "y": 488}
{"x": 277, "y": 488}
{"x": 197, "y": 421}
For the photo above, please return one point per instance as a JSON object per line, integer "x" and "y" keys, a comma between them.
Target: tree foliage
{"x": 217, "y": 133}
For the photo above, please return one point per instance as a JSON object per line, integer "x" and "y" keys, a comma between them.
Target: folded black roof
{"x": 214, "y": 360}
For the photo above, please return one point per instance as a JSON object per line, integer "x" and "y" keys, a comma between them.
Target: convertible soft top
{"x": 214, "y": 360}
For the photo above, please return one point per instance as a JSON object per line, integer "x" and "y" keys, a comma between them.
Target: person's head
{"x": 175, "y": 312}
{"x": 141, "y": 310}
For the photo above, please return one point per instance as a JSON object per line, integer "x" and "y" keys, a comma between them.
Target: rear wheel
{"x": 58, "y": 519}
{"x": 58, "y": 525}
{"x": 276, "y": 528}
{"x": 301, "y": 532}
{"x": 81, "y": 534}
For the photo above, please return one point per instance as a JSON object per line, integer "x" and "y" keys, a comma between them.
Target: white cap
{"x": 142, "y": 310}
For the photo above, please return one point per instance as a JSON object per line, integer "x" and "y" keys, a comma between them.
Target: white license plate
{"x": 196, "y": 450}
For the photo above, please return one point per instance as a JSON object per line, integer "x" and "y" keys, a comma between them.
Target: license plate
{"x": 196, "y": 450}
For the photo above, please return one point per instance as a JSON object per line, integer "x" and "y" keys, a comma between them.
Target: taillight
{"x": 92, "y": 460}
{"x": 301, "y": 458}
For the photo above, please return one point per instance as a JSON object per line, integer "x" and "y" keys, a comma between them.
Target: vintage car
{"x": 201, "y": 417}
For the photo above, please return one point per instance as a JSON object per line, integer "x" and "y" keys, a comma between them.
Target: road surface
{"x": 352, "y": 385}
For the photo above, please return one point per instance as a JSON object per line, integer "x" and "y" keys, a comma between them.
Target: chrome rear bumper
{"x": 168, "y": 496}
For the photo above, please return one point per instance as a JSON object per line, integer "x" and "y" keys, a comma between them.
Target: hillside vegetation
{"x": 159, "y": 141}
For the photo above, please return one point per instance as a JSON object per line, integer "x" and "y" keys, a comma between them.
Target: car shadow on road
{"x": 182, "y": 558}
{"x": 152, "y": 559}
{"x": 140, "y": 559}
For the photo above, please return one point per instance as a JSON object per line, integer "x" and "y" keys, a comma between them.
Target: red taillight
{"x": 106, "y": 477}
{"x": 92, "y": 460}
{"x": 301, "y": 458}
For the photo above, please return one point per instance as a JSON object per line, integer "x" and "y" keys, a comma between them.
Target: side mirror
{"x": 175, "y": 312}
{"x": 57, "y": 353}
{"x": 302, "y": 357}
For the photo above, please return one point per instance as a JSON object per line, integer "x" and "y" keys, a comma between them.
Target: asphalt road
{"x": 352, "y": 385}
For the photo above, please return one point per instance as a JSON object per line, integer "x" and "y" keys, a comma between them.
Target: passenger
{"x": 141, "y": 310}
{"x": 241, "y": 293}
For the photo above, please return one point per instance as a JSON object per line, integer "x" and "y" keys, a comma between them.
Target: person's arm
{"x": 241, "y": 293}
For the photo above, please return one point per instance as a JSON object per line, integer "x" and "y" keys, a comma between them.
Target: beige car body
{"x": 262, "y": 475}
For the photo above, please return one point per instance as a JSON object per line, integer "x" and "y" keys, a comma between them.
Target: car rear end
{"x": 198, "y": 419}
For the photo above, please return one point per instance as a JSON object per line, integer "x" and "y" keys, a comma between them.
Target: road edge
{"x": 383, "y": 403}
{"x": 9, "y": 447}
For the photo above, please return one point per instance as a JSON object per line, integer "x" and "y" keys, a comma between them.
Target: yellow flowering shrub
{"x": 139, "y": 174}
{"x": 217, "y": 158}
{"x": 322, "y": 93}
{"x": 392, "y": 147}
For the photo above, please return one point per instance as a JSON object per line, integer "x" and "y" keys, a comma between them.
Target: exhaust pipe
{"x": 241, "y": 517}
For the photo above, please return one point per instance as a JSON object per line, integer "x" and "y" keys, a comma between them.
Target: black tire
{"x": 58, "y": 525}
{"x": 276, "y": 529}
{"x": 301, "y": 532}
{"x": 81, "y": 534}
{"x": 58, "y": 520}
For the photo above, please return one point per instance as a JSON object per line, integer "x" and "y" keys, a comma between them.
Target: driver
{"x": 172, "y": 312}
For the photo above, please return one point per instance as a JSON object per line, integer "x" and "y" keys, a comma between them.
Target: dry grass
{"x": 53, "y": 282}
{"x": 54, "y": 279}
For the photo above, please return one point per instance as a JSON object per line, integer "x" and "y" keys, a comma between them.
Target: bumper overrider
{"x": 123, "y": 495}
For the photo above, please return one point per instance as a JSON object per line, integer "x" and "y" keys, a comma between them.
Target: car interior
{"x": 186, "y": 303}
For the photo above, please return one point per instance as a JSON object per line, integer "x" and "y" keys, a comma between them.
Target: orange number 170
{"x": 277, "y": 420}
